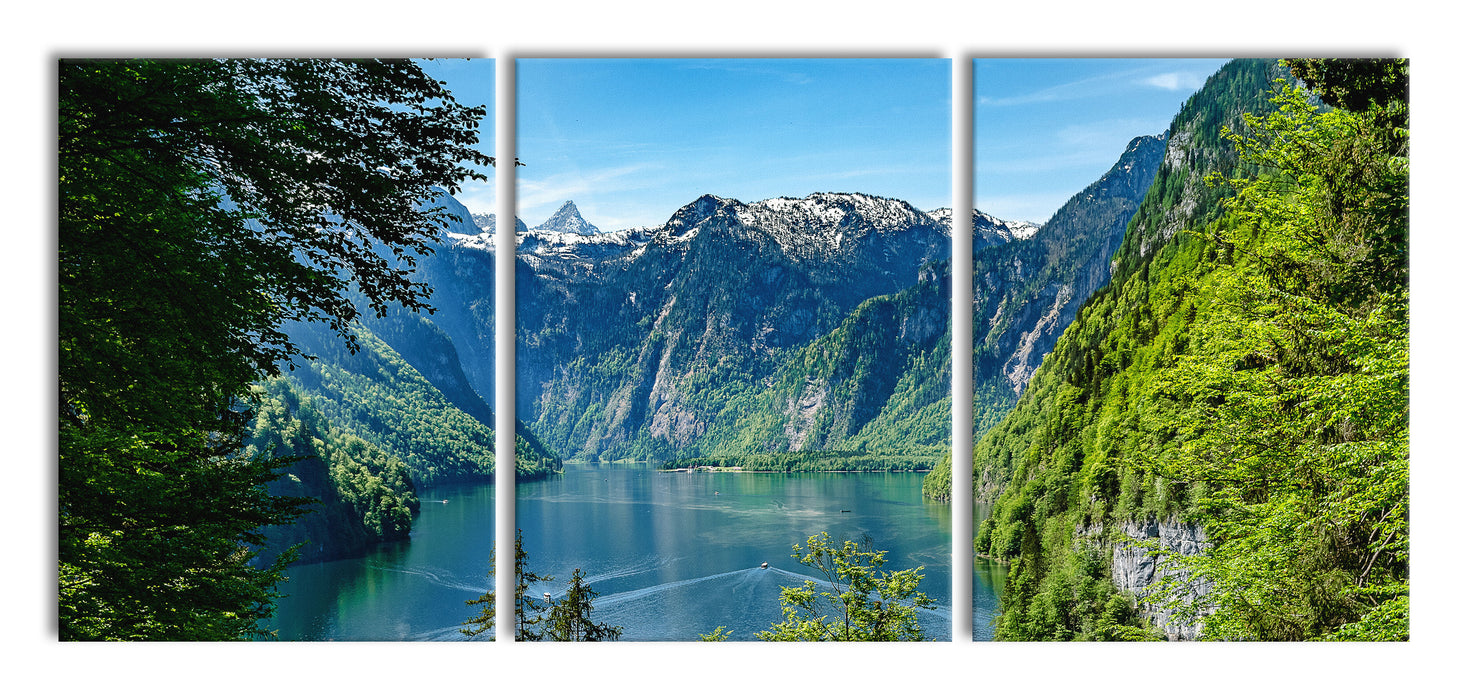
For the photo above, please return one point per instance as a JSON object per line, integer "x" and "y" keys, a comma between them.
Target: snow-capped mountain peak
{"x": 988, "y": 229}
{"x": 568, "y": 219}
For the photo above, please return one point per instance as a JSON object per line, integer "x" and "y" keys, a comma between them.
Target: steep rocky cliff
{"x": 1140, "y": 566}
{"x": 1026, "y": 291}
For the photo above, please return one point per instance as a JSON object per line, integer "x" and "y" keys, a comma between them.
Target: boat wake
{"x": 613, "y": 599}
{"x": 444, "y": 634}
{"x": 647, "y": 564}
{"x": 440, "y": 577}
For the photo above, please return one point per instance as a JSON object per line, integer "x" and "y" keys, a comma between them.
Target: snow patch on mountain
{"x": 485, "y": 222}
{"x": 815, "y": 227}
{"x": 563, "y": 244}
{"x": 1022, "y": 229}
{"x": 988, "y": 229}
{"x": 818, "y": 226}
{"x": 827, "y": 220}
{"x": 568, "y": 219}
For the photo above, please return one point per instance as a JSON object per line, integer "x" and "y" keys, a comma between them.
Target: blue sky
{"x": 472, "y": 83}
{"x": 632, "y": 140}
{"x": 1046, "y": 128}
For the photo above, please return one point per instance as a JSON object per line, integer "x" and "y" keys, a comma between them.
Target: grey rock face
{"x": 1135, "y": 568}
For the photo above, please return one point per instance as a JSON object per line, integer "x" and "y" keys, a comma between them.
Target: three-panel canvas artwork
{"x": 746, "y": 328}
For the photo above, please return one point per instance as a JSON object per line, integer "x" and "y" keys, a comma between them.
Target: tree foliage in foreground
{"x": 1246, "y": 370}
{"x": 569, "y": 619}
{"x": 1297, "y": 412}
{"x": 859, "y": 601}
{"x": 202, "y": 203}
{"x": 528, "y": 610}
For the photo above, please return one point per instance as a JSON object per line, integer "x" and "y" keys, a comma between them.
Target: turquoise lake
{"x": 671, "y": 555}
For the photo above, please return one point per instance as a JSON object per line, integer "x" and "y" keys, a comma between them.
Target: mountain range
{"x": 819, "y": 323}
{"x": 814, "y": 323}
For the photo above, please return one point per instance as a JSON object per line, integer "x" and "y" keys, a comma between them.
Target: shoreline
{"x": 690, "y": 470}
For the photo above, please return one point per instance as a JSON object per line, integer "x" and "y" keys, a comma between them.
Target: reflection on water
{"x": 404, "y": 591}
{"x": 671, "y": 555}
{"x": 675, "y": 555}
{"x": 988, "y": 585}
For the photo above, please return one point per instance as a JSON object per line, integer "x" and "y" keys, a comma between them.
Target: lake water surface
{"x": 671, "y": 555}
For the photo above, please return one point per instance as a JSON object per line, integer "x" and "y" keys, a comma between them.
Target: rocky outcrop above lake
{"x": 1138, "y": 563}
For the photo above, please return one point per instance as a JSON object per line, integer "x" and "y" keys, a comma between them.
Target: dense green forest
{"x": 1245, "y": 372}
{"x": 363, "y": 494}
{"x": 377, "y": 395}
{"x": 882, "y": 376}
{"x": 202, "y": 205}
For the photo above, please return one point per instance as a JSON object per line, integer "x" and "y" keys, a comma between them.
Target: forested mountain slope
{"x": 637, "y": 344}
{"x": 1027, "y": 291}
{"x": 440, "y": 435}
{"x": 363, "y": 495}
{"x": 877, "y": 383}
{"x": 1235, "y": 399}
{"x": 402, "y": 399}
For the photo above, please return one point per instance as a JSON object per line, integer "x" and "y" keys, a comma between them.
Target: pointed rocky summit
{"x": 568, "y": 219}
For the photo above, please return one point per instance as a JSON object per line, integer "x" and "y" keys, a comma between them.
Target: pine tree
{"x": 569, "y": 620}
{"x": 527, "y": 609}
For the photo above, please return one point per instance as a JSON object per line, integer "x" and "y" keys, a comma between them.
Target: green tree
{"x": 527, "y": 609}
{"x": 1245, "y": 370}
{"x": 720, "y": 634}
{"x": 569, "y": 619}
{"x": 860, "y": 602}
{"x": 1297, "y": 416}
{"x": 482, "y": 621}
{"x": 364, "y": 495}
{"x": 202, "y": 203}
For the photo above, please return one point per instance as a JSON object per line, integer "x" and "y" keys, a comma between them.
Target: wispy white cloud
{"x": 1175, "y": 81}
{"x": 592, "y": 190}
{"x": 532, "y": 193}
{"x": 1048, "y": 163}
{"x": 1076, "y": 89}
{"x": 1108, "y": 133}
{"x": 1050, "y": 94}
{"x": 1100, "y": 85}
{"x": 773, "y": 68}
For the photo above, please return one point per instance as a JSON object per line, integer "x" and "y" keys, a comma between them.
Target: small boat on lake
{"x": 765, "y": 565}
